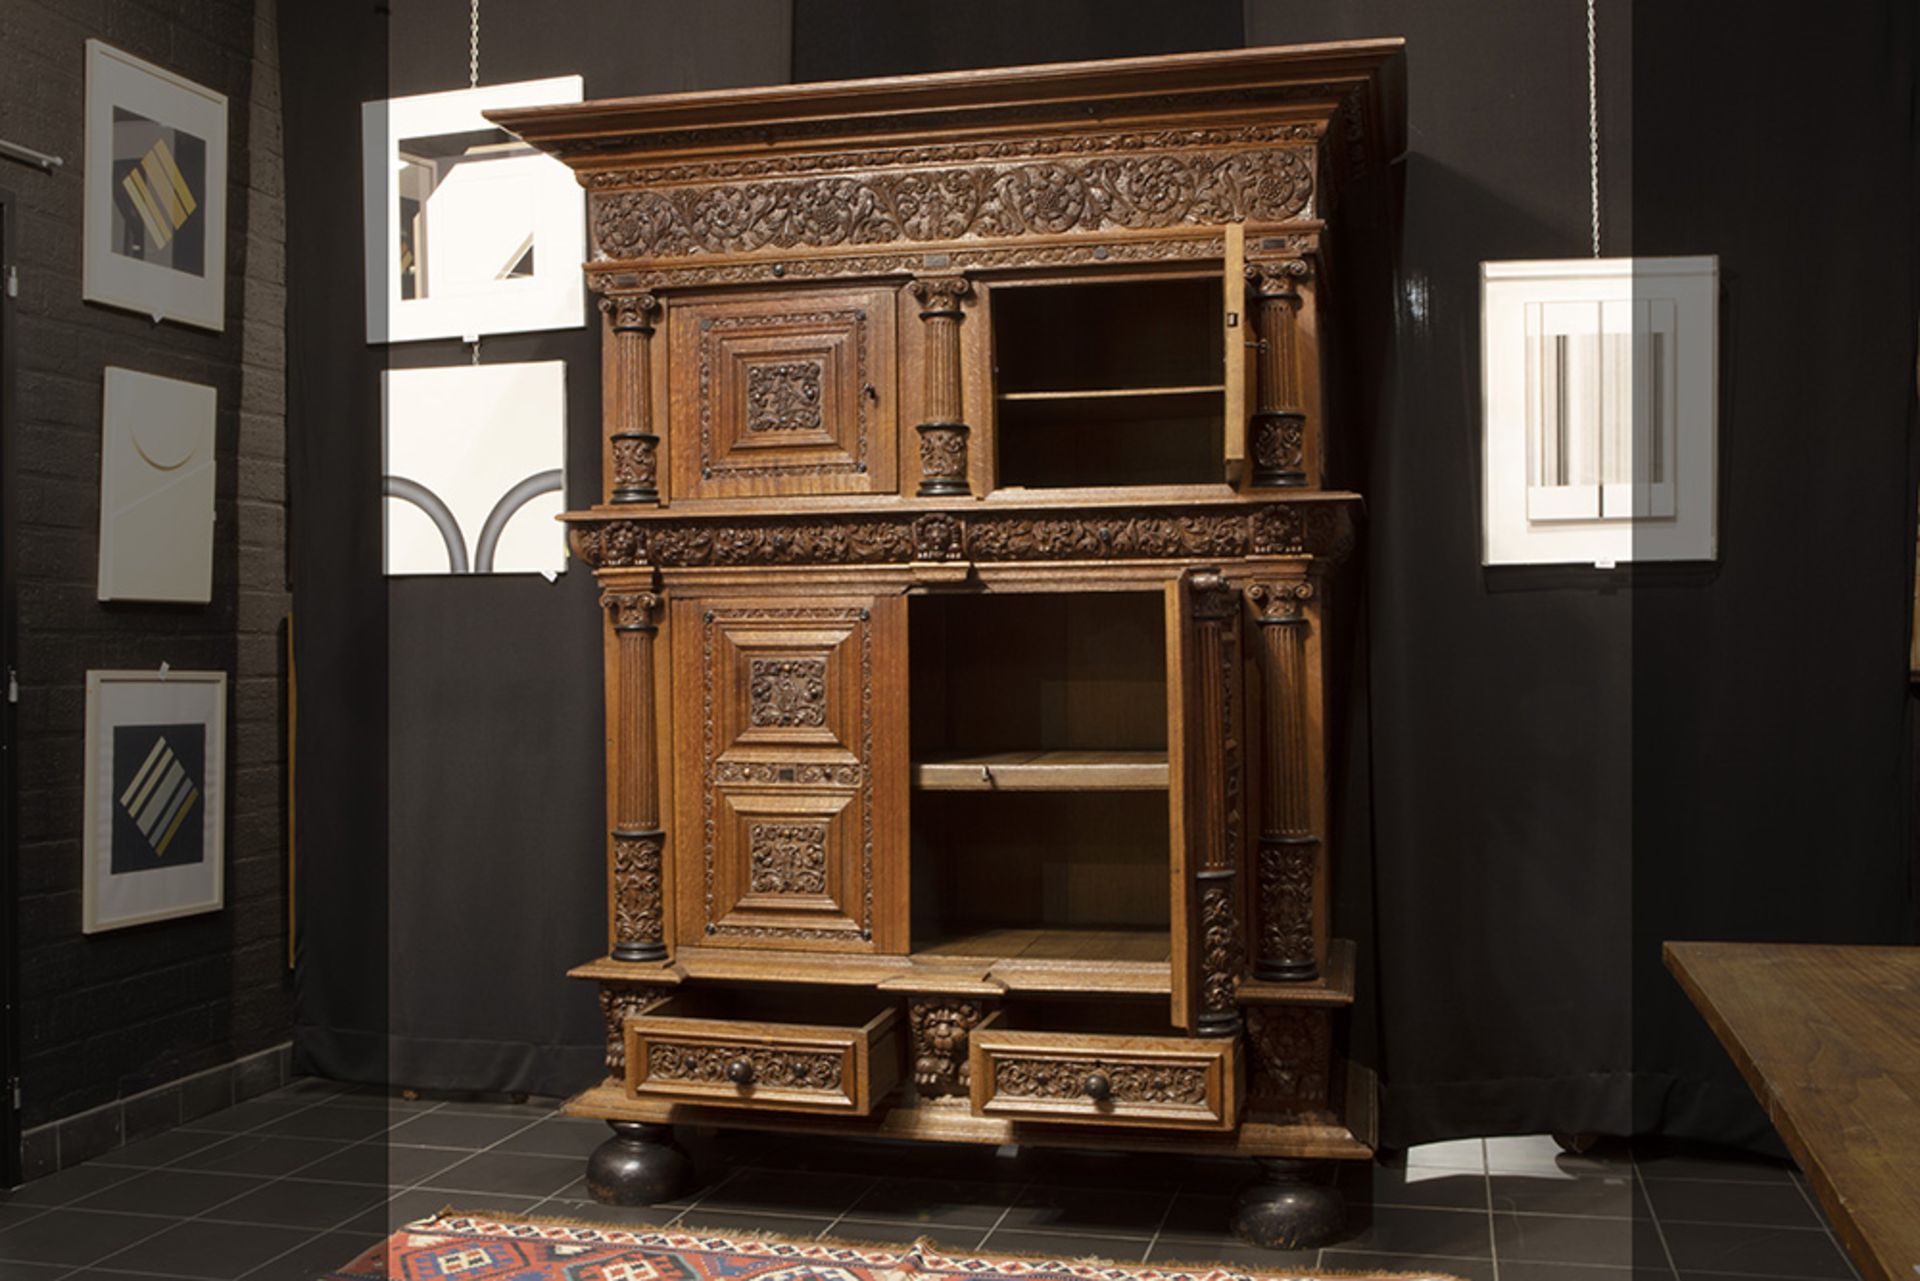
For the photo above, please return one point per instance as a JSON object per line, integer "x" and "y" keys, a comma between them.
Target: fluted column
{"x": 1215, "y": 806}
{"x": 633, "y": 445}
{"x": 1280, "y": 417}
{"x": 1290, "y": 867}
{"x": 638, "y": 843}
{"x": 944, "y": 432}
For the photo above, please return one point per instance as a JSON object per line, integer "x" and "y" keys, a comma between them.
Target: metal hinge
{"x": 13, "y": 686}
{"x": 13, "y": 281}
{"x": 13, "y": 1091}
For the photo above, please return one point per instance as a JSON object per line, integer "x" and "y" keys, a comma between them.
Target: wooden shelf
{"x": 1072, "y": 959}
{"x": 1111, "y": 393}
{"x": 1055, "y": 771}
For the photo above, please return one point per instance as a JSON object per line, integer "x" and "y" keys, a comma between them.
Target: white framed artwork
{"x": 469, "y": 231}
{"x": 156, "y": 488}
{"x": 155, "y": 796}
{"x": 1600, "y": 402}
{"x": 475, "y": 468}
{"x": 154, "y": 215}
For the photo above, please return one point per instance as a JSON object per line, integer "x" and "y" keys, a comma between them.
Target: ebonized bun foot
{"x": 639, "y": 1165}
{"x": 1289, "y": 1207}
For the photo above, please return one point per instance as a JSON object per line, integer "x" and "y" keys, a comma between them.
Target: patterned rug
{"x": 453, "y": 1247}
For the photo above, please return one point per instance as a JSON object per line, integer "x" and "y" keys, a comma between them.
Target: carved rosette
{"x": 637, "y": 905}
{"x": 1290, "y": 1047}
{"x": 787, "y": 693}
{"x": 1037, "y": 1078}
{"x": 787, "y": 858}
{"x": 617, "y": 1002}
{"x": 1319, "y": 529}
{"x": 716, "y": 1065}
{"x": 940, "y": 1026}
{"x": 784, "y": 397}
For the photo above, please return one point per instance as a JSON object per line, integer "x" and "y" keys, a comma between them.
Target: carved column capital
{"x": 631, "y": 313}
{"x": 1281, "y": 602}
{"x": 1278, "y": 277}
{"x": 940, "y": 295}
{"x": 632, "y": 611}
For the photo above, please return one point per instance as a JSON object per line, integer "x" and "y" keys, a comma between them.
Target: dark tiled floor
{"x": 283, "y": 1187}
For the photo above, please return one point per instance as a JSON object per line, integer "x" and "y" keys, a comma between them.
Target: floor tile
{"x": 1548, "y": 1238}
{"x": 269, "y": 1155}
{"x": 37, "y": 1271}
{"x": 555, "y": 1136}
{"x": 378, "y": 1164}
{"x": 1589, "y": 1195}
{"x": 468, "y": 1130}
{"x": 161, "y": 1149}
{"x": 329, "y": 1121}
{"x": 177, "y": 1194}
{"x": 67, "y": 1186}
{"x": 1518, "y": 1270}
{"x": 928, "y": 1201}
{"x": 1201, "y": 1216}
{"x": 418, "y": 1203}
{"x": 1454, "y": 1154}
{"x": 506, "y": 1172}
{"x": 252, "y": 1114}
{"x": 74, "y": 1237}
{"x": 1106, "y": 1212}
{"x": 1426, "y": 1187}
{"x": 779, "y": 1192}
{"x": 1229, "y": 1251}
{"x": 1759, "y": 1251}
{"x": 1068, "y": 1246}
{"x": 1673, "y": 1160}
{"x": 300, "y": 1203}
{"x": 1706, "y": 1201}
{"x": 209, "y": 1251}
{"x": 941, "y": 1235}
{"x": 1460, "y": 1234}
{"x": 328, "y": 1252}
{"x": 1335, "y": 1259}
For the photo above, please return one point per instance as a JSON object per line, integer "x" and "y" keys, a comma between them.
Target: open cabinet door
{"x": 1205, "y": 793}
{"x": 1237, "y": 334}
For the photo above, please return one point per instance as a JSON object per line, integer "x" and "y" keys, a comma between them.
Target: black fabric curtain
{"x": 1542, "y": 773}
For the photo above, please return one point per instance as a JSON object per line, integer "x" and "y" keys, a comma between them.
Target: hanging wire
{"x": 473, "y": 43}
{"x": 1593, "y": 120}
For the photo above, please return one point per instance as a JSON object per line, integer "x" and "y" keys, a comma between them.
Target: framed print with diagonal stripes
{"x": 155, "y": 775}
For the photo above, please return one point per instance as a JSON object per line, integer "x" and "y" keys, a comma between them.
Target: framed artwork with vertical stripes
{"x": 155, "y": 796}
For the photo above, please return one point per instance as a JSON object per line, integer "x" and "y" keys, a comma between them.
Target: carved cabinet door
{"x": 790, "y": 772}
{"x": 1206, "y": 788}
{"x": 784, "y": 393}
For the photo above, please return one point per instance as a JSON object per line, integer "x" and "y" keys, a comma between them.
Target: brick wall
{"x": 127, "y": 1012}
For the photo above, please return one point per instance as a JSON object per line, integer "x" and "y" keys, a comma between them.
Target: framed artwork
{"x": 156, "y": 489}
{"x": 155, "y": 795}
{"x": 475, "y": 468}
{"x": 155, "y": 215}
{"x": 1599, "y": 384}
{"x": 469, "y": 230}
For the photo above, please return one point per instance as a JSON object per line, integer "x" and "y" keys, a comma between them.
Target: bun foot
{"x": 1289, "y": 1208}
{"x": 639, "y": 1165}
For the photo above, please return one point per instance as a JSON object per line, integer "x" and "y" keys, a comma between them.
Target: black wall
{"x": 126, "y": 1011}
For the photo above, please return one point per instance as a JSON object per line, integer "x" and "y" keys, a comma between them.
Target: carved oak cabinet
{"x": 967, "y": 553}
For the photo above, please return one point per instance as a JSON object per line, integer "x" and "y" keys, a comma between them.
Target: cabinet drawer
{"x": 1096, "y": 1079}
{"x": 780, "y": 1052}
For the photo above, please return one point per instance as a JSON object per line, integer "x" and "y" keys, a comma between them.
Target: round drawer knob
{"x": 1097, "y": 1087}
{"x": 740, "y": 1072}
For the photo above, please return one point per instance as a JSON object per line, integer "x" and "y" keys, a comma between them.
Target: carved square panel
{"x": 790, "y": 393}
{"x": 786, "y": 866}
{"x": 787, "y": 682}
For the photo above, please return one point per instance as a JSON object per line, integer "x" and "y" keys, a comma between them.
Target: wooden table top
{"x": 1829, "y": 1039}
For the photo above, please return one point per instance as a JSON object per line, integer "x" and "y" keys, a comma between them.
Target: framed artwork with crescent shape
{"x": 155, "y": 792}
{"x": 155, "y": 209}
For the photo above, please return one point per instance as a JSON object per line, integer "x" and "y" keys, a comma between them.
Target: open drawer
{"x": 783, "y": 1051}
{"x": 1103, "y": 1078}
